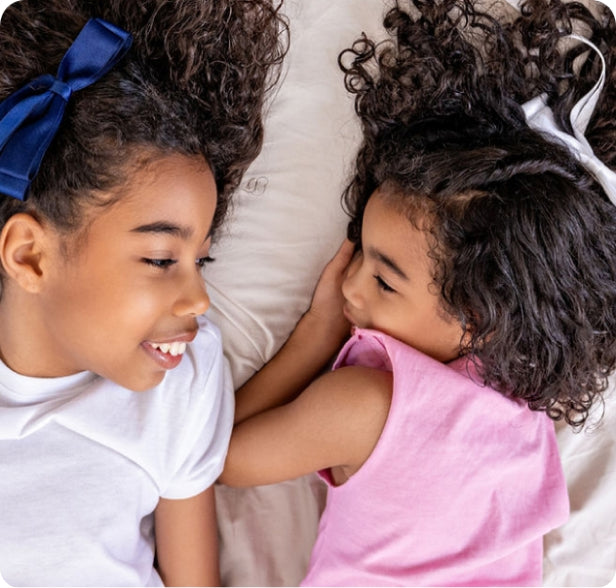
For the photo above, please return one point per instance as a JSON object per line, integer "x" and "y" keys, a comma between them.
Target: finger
{"x": 344, "y": 254}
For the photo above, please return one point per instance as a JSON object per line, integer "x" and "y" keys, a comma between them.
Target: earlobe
{"x": 21, "y": 251}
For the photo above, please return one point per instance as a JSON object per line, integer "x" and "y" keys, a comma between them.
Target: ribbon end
{"x": 13, "y": 186}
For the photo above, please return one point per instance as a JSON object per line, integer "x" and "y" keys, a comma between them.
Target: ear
{"x": 22, "y": 248}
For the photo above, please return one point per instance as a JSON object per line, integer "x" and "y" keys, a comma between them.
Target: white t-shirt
{"x": 84, "y": 461}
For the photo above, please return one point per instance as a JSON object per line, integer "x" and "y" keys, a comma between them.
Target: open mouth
{"x": 166, "y": 355}
{"x": 174, "y": 349}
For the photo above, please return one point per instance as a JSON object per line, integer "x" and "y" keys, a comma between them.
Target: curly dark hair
{"x": 194, "y": 82}
{"x": 523, "y": 237}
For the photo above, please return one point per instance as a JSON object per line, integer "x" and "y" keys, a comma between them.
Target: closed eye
{"x": 383, "y": 285}
{"x": 202, "y": 261}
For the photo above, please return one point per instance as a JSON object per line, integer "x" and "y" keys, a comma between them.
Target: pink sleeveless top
{"x": 459, "y": 490}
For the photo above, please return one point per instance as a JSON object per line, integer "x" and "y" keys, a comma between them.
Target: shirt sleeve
{"x": 206, "y": 421}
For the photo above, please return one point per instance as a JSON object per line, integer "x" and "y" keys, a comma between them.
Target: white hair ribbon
{"x": 539, "y": 116}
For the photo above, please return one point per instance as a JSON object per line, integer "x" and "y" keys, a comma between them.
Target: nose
{"x": 193, "y": 299}
{"x": 351, "y": 286}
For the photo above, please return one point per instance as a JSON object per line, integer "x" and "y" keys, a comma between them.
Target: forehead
{"x": 171, "y": 175}
{"x": 393, "y": 216}
{"x": 387, "y": 233}
{"x": 418, "y": 209}
{"x": 175, "y": 188}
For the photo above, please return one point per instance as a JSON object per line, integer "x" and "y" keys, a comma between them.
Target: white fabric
{"x": 583, "y": 551}
{"x": 85, "y": 461}
{"x": 287, "y": 219}
{"x": 539, "y": 116}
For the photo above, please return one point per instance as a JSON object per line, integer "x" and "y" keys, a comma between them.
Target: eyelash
{"x": 166, "y": 263}
{"x": 383, "y": 285}
{"x": 202, "y": 261}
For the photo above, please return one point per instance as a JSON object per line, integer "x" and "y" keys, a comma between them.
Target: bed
{"x": 286, "y": 223}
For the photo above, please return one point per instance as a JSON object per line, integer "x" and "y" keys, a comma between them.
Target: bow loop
{"x": 95, "y": 51}
{"x": 36, "y": 86}
{"x": 539, "y": 116}
{"x": 30, "y": 117}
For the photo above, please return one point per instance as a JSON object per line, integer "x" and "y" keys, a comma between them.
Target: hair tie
{"x": 539, "y": 116}
{"x": 31, "y": 116}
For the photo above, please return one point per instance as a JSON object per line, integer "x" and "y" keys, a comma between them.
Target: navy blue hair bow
{"x": 30, "y": 117}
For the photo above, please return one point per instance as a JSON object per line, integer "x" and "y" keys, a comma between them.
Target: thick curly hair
{"x": 523, "y": 237}
{"x": 194, "y": 82}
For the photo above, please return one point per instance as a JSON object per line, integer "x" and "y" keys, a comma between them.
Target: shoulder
{"x": 206, "y": 349}
{"x": 204, "y": 364}
{"x": 198, "y": 393}
{"x": 336, "y": 421}
{"x": 352, "y": 406}
{"x": 198, "y": 403}
{"x": 350, "y": 388}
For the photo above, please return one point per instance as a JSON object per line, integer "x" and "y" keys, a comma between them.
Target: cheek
{"x": 99, "y": 295}
{"x": 67, "y": 293}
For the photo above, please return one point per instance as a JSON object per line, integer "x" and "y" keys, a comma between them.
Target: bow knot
{"x": 30, "y": 117}
{"x": 62, "y": 89}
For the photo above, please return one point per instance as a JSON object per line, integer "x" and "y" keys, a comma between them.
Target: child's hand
{"x": 327, "y": 301}
{"x": 316, "y": 338}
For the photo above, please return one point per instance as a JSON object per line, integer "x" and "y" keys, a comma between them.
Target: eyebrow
{"x": 169, "y": 229}
{"x": 376, "y": 254}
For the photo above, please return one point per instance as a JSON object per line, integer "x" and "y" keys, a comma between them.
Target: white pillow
{"x": 287, "y": 220}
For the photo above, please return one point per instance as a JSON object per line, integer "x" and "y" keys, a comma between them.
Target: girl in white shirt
{"x": 124, "y": 127}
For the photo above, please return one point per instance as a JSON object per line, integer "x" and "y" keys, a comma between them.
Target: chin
{"x": 137, "y": 384}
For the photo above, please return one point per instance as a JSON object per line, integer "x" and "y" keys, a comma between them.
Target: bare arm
{"x": 315, "y": 340}
{"x": 287, "y": 423}
{"x": 336, "y": 421}
{"x": 187, "y": 541}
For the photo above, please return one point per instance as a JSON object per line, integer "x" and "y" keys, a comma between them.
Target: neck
{"x": 24, "y": 341}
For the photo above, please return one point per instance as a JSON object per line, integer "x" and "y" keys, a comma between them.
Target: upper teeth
{"x": 175, "y": 348}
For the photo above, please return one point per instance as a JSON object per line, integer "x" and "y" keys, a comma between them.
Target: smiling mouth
{"x": 174, "y": 348}
{"x": 168, "y": 354}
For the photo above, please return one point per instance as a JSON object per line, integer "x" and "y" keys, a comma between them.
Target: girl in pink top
{"x": 481, "y": 284}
